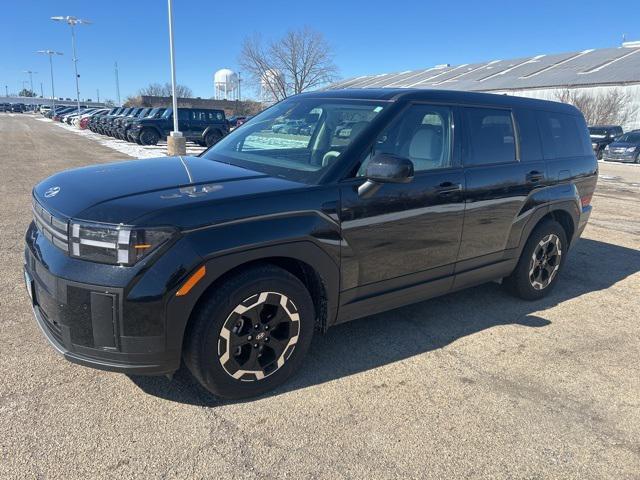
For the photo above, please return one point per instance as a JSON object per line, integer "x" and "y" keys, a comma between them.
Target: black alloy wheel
{"x": 540, "y": 262}
{"x": 149, "y": 136}
{"x": 250, "y": 332}
{"x": 545, "y": 262}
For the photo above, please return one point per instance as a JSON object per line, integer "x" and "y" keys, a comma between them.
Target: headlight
{"x": 115, "y": 244}
{"x": 631, "y": 149}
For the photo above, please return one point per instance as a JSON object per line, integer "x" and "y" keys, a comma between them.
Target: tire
{"x": 148, "y": 136}
{"x": 599, "y": 154}
{"x": 212, "y": 138}
{"x": 533, "y": 278}
{"x": 218, "y": 350}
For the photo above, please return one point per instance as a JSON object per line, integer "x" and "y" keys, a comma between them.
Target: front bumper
{"x": 624, "y": 158}
{"x": 120, "y": 328}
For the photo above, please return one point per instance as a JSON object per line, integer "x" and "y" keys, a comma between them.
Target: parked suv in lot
{"x": 625, "y": 148}
{"x": 203, "y": 126}
{"x": 603, "y": 135}
{"x": 230, "y": 261}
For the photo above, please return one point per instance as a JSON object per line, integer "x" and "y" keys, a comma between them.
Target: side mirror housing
{"x": 385, "y": 168}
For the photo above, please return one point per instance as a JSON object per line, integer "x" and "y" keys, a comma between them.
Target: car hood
{"x": 141, "y": 191}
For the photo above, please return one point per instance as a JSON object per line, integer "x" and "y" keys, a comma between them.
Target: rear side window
{"x": 563, "y": 135}
{"x": 491, "y": 137}
{"x": 528, "y": 135}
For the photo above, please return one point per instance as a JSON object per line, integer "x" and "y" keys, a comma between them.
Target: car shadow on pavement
{"x": 388, "y": 337}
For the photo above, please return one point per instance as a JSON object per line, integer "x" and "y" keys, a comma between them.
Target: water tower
{"x": 225, "y": 84}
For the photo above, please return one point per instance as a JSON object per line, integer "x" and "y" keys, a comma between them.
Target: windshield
{"x": 297, "y": 139}
{"x": 631, "y": 137}
{"x": 167, "y": 113}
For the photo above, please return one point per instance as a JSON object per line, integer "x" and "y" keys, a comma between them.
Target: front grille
{"x": 54, "y": 229}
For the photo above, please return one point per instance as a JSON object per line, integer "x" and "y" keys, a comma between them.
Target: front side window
{"x": 297, "y": 139}
{"x": 491, "y": 137}
{"x": 421, "y": 133}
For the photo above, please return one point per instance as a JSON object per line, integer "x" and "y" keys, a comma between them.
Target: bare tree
{"x": 614, "y": 107}
{"x": 301, "y": 60}
{"x": 158, "y": 90}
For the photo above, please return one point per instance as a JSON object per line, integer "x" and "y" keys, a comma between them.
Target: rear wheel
{"x": 212, "y": 138}
{"x": 251, "y": 333}
{"x": 539, "y": 266}
{"x": 148, "y": 136}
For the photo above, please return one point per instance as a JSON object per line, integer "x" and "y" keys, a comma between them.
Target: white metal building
{"x": 541, "y": 76}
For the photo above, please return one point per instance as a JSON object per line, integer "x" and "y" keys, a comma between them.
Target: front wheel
{"x": 148, "y": 136}
{"x": 540, "y": 263}
{"x": 251, "y": 333}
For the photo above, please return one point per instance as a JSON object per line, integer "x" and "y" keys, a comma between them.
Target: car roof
{"x": 449, "y": 96}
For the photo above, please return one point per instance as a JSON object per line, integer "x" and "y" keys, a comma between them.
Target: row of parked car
{"x": 611, "y": 143}
{"x": 147, "y": 126}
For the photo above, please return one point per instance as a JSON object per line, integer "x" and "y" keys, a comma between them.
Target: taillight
{"x": 586, "y": 200}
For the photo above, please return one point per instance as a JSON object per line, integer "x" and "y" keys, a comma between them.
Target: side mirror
{"x": 385, "y": 168}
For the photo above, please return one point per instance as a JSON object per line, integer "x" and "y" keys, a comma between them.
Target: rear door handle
{"x": 447, "y": 188}
{"x": 535, "y": 176}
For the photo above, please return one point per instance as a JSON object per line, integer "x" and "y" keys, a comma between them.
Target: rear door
{"x": 503, "y": 166}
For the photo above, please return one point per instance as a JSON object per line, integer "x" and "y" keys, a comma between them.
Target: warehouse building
{"x": 594, "y": 71}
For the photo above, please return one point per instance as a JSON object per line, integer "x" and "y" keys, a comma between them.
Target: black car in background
{"x": 114, "y": 123}
{"x": 117, "y": 129}
{"x": 125, "y": 129}
{"x": 603, "y": 135}
{"x": 18, "y": 108}
{"x": 230, "y": 261}
{"x": 625, "y": 148}
{"x": 201, "y": 125}
{"x": 94, "y": 123}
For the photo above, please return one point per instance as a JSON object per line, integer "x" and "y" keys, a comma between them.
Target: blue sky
{"x": 368, "y": 36}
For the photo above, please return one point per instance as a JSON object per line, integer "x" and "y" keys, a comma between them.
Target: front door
{"x": 405, "y": 234}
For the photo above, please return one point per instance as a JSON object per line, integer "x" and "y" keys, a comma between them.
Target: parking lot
{"x": 476, "y": 384}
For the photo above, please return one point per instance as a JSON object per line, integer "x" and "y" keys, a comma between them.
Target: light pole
{"x": 117, "y": 84}
{"x": 51, "y": 53}
{"x": 176, "y": 143}
{"x": 72, "y": 22}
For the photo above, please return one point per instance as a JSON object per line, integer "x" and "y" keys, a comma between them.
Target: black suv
{"x": 603, "y": 135}
{"x": 125, "y": 129}
{"x": 203, "y": 126}
{"x": 231, "y": 260}
{"x": 116, "y": 123}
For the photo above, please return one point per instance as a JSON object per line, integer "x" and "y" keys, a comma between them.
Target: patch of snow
{"x": 132, "y": 149}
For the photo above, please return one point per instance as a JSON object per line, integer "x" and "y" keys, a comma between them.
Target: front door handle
{"x": 447, "y": 188}
{"x": 535, "y": 176}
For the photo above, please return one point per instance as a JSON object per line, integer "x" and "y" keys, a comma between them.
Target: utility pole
{"x": 6, "y": 90}
{"x": 98, "y": 94}
{"x": 117, "y": 85}
{"x": 72, "y": 22}
{"x": 41, "y": 91}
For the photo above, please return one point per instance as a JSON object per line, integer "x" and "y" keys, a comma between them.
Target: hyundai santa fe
{"x": 232, "y": 260}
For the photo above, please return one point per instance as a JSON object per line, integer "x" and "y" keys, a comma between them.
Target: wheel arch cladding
{"x": 307, "y": 262}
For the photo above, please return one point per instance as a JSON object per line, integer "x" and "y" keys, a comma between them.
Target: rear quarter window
{"x": 563, "y": 135}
